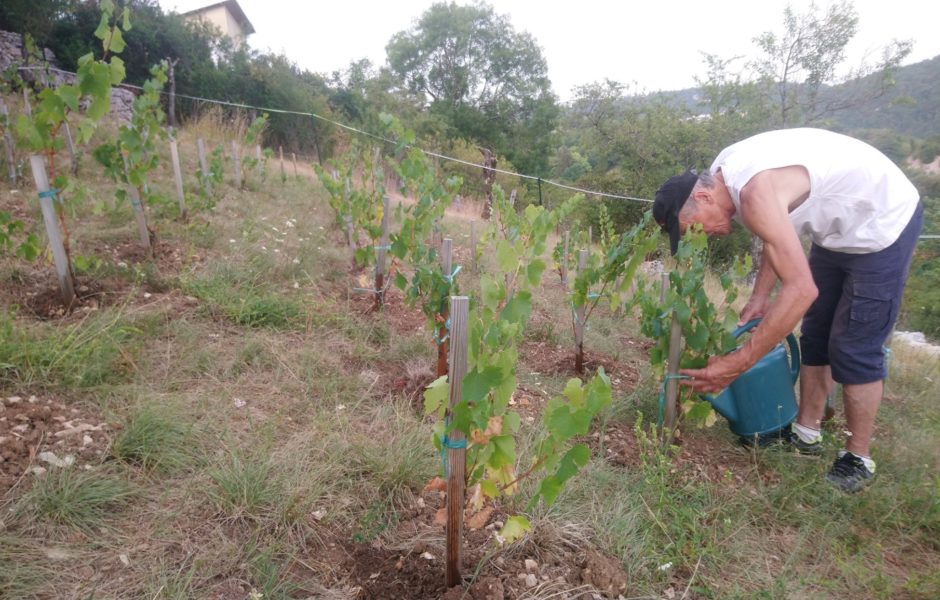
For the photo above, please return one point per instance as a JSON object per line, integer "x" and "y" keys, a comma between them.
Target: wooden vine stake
{"x": 579, "y": 322}
{"x": 203, "y": 164}
{"x": 49, "y": 217}
{"x": 8, "y": 142}
{"x": 672, "y": 369}
{"x": 564, "y": 261}
{"x": 280, "y": 150}
{"x": 73, "y": 159}
{"x": 178, "y": 176}
{"x": 134, "y": 194}
{"x": 443, "y": 344}
{"x": 456, "y": 457}
{"x": 380, "y": 258}
{"x": 293, "y": 157}
{"x": 238, "y": 164}
{"x": 473, "y": 245}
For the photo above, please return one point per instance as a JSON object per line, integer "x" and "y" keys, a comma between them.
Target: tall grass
{"x": 95, "y": 351}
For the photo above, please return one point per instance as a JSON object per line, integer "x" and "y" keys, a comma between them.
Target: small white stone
{"x": 531, "y": 566}
{"x": 239, "y": 403}
{"x": 124, "y": 560}
{"x": 531, "y": 580}
{"x": 427, "y": 556}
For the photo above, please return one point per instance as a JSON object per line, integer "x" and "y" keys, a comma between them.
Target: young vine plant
{"x": 496, "y": 327}
{"x": 706, "y": 327}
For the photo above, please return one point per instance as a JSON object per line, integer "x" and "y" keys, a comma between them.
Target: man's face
{"x": 710, "y": 216}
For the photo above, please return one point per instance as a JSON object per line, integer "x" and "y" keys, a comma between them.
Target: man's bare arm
{"x": 764, "y": 210}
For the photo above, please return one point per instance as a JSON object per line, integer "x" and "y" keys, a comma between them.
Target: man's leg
{"x": 816, "y": 385}
{"x": 861, "y": 405}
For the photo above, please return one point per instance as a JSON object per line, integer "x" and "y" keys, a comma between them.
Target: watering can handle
{"x": 791, "y": 342}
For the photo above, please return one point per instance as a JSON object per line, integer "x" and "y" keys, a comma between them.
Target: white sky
{"x": 582, "y": 41}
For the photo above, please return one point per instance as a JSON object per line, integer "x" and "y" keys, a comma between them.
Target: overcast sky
{"x": 651, "y": 45}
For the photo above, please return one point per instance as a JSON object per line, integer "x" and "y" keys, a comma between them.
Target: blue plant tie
{"x": 446, "y": 443}
{"x": 438, "y": 340}
{"x": 50, "y": 193}
{"x": 382, "y": 247}
{"x": 593, "y": 295}
{"x": 661, "y": 415}
{"x": 450, "y": 278}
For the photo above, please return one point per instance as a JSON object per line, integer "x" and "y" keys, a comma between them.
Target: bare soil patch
{"x": 552, "y": 359}
{"x": 37, "y": 434}
{"x": 409, "y": 562}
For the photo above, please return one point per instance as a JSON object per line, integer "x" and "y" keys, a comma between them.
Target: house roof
{"x": 234, "y": 8}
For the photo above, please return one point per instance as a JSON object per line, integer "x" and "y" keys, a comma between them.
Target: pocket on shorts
{"x": 872, "y": 302}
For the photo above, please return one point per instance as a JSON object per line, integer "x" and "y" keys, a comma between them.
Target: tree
{"x": 487, "y": 81}
{"x": 799, "y": 63}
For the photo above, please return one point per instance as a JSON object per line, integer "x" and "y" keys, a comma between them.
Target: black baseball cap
{"x": 670, "y": 198}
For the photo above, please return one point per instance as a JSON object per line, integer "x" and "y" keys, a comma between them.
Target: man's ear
{"x": 703, "y": 195}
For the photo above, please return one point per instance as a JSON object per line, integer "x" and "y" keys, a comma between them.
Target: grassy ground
{"x": 258, "y": 418}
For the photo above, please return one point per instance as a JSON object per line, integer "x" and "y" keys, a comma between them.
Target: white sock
{"x": 869, "y": 463}
{"x": 806, "y": 434}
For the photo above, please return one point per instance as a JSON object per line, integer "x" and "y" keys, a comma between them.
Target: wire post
{"x": 258, "y": 160}
{"x": 443, "y": 344}
{"x": 293, "y": 157}
{"x": 280, "y": 150}
{"x": 178, "y": 176}
{"x": 380, "y": 257}
{"x": 456, "y": 442}
{"x": 8, "y": 142}
{"x": 49, "y": 217}
{"x": 579, "y": 322}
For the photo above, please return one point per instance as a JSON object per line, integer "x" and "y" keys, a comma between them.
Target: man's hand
{"x": 755, "y": 308}
{"x": 718, "y": 375}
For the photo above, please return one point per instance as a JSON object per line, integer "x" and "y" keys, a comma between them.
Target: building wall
{"x": 122, "y": 99}
{"x": 222, "y": 19}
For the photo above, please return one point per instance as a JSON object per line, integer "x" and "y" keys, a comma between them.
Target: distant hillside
{"x": 911, "y": 107}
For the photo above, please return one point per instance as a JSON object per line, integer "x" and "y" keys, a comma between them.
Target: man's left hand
{"x": 718, "y": 375}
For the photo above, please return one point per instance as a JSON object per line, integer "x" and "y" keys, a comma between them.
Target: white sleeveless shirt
{"x": 859, "y": 200}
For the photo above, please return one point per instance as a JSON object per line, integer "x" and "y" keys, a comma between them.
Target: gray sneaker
{"x": 849, "y": 473}
{"x": 807, "y": 448}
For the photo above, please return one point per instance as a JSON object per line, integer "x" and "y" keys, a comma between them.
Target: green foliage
{"x": 609, "y": 277}
{"x": 253, "y": 137}
{"x": 75, "y": 498}
{"x": 496, "y": 327}
{"x": 488, "y": 82}
{"x": 429, "y": 285}
{"x": 13, "y": 236}
{"x": 705, "y": 331}
{"x": 361, "y": 204}
{"x": 133, "y": 155}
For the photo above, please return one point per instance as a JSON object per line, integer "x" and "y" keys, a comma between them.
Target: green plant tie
{"x": 447, "y": 443}
{"x": 438, "y": 340}
{"x": 382, "y": 247}
{"x": 50, "y": 193}
{"x": 661, "y": 414}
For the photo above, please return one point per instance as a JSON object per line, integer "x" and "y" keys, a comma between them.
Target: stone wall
{"x": 11, "y": 55}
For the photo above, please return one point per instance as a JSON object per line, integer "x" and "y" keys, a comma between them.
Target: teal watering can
{"x": 761, "y": 401}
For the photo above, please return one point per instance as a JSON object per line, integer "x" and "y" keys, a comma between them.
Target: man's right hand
{"x": 755, "y": 308}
